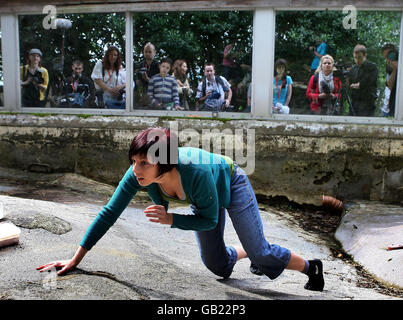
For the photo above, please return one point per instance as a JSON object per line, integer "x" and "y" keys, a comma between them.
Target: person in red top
{"x": 324, "y": 88}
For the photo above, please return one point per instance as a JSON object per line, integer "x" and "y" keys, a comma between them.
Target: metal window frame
{"x": 262, "y": 67}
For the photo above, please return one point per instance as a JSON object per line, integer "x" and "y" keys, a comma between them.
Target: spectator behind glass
{"x": 163, "y": 88}
{"x": 319, "y": 49}
{"x": 213, "y": 92}
{"x": 147, "y": 68}
{"x": 231, "y": 68}
{"x": 78, "y": 90}
{"x": 391, "y": 54}
{"x": 34, "y": 80}
{"x": 282, "y": 88}
{"x": 363, "y": 79}
{"x": 323, "y": 88}
{"x": 110, "y": 80}
{"x": 179, "y": 72}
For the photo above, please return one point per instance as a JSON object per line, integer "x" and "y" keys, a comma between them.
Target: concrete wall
{"x": 299, "y": 160}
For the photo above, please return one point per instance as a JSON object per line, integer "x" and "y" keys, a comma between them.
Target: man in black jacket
{"x": 78, "y": 90}
{"x": 363, "y": 80}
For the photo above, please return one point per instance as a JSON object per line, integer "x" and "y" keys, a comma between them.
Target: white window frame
{"x": 262, "y": 67}
{"x": 11, "y": 66}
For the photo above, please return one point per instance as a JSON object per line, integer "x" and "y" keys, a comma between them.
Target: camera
{"x": 215, "y": 94}
{"x": 325, "y": 87}
{"x": 142, "y": 71}
{"x": 343, "y": 69}
{"x": 37, "y": 80}
{"x": 121, "y": 93}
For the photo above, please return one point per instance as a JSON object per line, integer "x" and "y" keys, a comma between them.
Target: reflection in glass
{"x": 191, "y": 40}
{"x": 359, "y": 62}
{"x": 64, "y": 67}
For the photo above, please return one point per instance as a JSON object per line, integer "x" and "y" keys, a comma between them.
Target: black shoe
{"x": 315, "y": 274}
{"x": 255, "y": 270}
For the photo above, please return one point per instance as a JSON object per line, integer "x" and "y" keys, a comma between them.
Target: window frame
{"x": 262, "y": 55}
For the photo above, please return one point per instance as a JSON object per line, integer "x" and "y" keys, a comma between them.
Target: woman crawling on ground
{"x": 211, "y": 184}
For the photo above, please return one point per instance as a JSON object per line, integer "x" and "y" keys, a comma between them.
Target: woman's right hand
{"x": 324, "y": 95}
{"x": 66, "y": 265}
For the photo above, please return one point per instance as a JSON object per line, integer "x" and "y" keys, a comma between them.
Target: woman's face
{"x": 34, "y": 58}
{"x": 113, "y": 56}
{"x": 184, "y": 68}
{"x": 280, "y": 69}
{"x": 327, "y": 66}
{"x": 145, "y": 172}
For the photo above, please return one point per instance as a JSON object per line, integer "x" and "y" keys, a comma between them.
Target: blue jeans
{"x": 112, "y": 103}
{"x": 244, "y": 213}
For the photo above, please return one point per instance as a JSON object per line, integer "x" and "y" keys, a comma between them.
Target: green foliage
{"x": 197, "y": 37}
{"x": 295, "y": 31}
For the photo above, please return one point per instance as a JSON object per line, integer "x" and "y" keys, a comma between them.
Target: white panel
{"x": 129, "y": 61}
{"x": 399, "y": 82}
{"x": 10, "y": 59}
{"x": 262, "y": 62}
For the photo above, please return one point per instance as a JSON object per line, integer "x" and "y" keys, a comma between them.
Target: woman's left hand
{"x": 158, "y": 214}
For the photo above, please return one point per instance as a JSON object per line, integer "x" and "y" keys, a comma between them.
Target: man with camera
{"x": 78, "y": 90}
{"x": 390, "y": 54}
{"x": 362, "y": 79}
{"x": 35, "y": 79}
{"x": 211, "y": 91}
{"x": 147, "y": 68}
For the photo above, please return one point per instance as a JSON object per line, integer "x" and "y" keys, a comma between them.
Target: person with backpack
{"x": 213, "y": 92}
{"x": 35, "y": 80}
{"x": 110, "y": 80}
{"x": 324, "y": 89}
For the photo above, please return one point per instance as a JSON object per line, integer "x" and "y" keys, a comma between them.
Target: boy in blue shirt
{"x": 163, "y": 88}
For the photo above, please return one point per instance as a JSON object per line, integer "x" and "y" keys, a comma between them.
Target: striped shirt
{"x": 163, "y": 90}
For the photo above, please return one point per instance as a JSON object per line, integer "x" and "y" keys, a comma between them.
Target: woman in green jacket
{"x": 210, "y": 184}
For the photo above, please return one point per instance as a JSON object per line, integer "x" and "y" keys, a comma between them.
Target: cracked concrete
{"x": 138, "y": 260}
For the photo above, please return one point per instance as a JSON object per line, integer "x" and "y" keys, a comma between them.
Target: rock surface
{"x": 139, "y": 260}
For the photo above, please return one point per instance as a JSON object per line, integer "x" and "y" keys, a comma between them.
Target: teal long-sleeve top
{"x": 205, "y": 178}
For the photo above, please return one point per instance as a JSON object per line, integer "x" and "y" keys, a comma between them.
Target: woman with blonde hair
{"x": 324, "y": 88}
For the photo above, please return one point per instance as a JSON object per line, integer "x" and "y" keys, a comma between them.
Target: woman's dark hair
{"x": 166, "y": 60}
{"x": 281, "y": 62}
{"x": 145, "y": 140}
{"x": 105, "y": 61}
